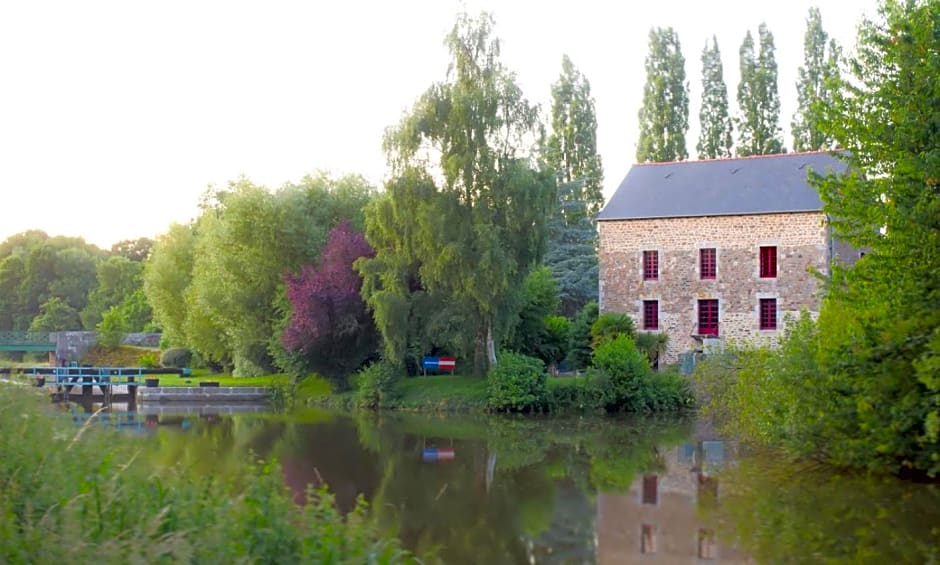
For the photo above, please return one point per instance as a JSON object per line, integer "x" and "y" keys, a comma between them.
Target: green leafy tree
{"x": 134, "y": 249}
{"x": 412, "y": 320}
{"x": 572, "y": 146}
{"x": 553, "y": 344}
{"x": 484, "y": 228}
{"x": 118, "y": 277}
{"x": 166, "y": 278}
{"x": 814, "y": 87}
{"x": 217, "y": 286}
{"x": 758, "y": 98}
{"x": 881, "y": 322}
{"x": 56, "y": 316}
{"x": 539, "y": 300}
{"x": 715, "y": 136}
{"x": 35, "y": 267}
{"x": 664, "y": 116}
{"x": 132, "y": 314}
{"x": 579, "y": 344}
{"x": 231, "y": 301}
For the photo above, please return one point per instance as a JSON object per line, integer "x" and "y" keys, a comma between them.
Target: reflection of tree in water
{"x": 328, "y": 452}
{"x": 811, "y": 513}
{"x": 518, "y": 490}
{"x": 213, "y": 444}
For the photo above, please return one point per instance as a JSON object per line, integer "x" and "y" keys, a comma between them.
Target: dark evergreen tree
{"x": 715, "y": 137}
{"x": 664, "y": 116}
{"x": 572, "y": 252}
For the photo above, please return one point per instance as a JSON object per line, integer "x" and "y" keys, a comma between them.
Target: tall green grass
{"x": 83, "y": 495}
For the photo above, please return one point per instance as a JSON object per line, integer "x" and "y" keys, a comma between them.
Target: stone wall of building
{"x": 802, "y": 247}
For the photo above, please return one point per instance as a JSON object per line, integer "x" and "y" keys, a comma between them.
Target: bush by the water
{"x": 633, "y": 385}
{"x": 517, "y": 384}
{"x": 87, "y": 495}
{"x": 590, "y": 392}
{"x": 377, "y": 385}
{"x": 798, "y": 397}
{"x": 176, "y": 357}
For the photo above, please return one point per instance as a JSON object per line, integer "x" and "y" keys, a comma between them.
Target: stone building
{"x": 717, "y": 249}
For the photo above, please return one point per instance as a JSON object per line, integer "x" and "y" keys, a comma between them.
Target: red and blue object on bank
{"x": 439, "y": 364}
{"x": 431, "y": 454}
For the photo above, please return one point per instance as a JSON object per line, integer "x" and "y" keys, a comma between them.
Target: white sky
{"x": 116, "y": 115}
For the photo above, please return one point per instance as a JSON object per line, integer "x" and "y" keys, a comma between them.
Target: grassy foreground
{"x": 88, "y": 495}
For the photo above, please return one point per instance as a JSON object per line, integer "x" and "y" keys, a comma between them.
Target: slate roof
{"x": 721, "y": 187}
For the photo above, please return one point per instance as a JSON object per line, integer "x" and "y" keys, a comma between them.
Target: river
{"x": 574, "y": 490}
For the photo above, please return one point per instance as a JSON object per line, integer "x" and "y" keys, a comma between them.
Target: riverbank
{"x": 465, "y": 394}
{"x": 126, "y": 509}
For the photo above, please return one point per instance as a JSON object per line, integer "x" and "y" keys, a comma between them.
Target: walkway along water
{"x": 131, "y": 384}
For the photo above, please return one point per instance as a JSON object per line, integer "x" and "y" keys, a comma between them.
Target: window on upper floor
{"x": 708, "y": 317}
{"x": 706, "y": 262}
{"x": 650, "y": 314}
{"x": 768, "y": 313}
{"x": 768, "y": 262}
{"x": 650, "y": 265}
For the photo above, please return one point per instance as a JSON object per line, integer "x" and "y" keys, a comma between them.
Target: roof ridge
{"x": 738, "y": 158}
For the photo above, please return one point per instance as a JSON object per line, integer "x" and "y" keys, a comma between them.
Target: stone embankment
{"x": 222, "y": 394}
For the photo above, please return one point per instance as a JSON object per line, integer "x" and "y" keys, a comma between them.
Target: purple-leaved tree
{"x": 329, "y": 324}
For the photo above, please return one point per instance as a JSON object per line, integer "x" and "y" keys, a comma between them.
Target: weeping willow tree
{"x": 464, "y": 216}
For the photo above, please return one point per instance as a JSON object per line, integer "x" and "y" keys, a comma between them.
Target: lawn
{"x": 223, "y": 380}
{"x": 441, "y": 393}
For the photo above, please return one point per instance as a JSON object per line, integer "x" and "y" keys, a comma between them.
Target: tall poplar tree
{"x": 715, "y": 137}
{"x": 759, "y": 130}
{"x": 572, "y": 145}
{"x": 480, "y": 224}
{"x": 814, "y": 87}
{"x": 664, "y": 116}
{"x": 572, "y": 153}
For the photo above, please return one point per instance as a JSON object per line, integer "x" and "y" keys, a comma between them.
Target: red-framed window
{"x": 708, "y": 317}
{"x": 651, "y": 314}
{"x": 650, "y": 265}
{"x": 706, "y": 262}
{"x": 768, "y": 313}
{"x": 768, "y": 262}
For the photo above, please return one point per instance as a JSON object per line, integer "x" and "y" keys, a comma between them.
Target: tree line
{"x": 328, "y": 274}
{"x": 755, "y": 129}
{"x": 63, "y": 283}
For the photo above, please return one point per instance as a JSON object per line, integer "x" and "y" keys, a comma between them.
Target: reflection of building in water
{"x": 657, "y": 520}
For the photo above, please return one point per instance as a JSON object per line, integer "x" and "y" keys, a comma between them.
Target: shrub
{"x": 653, "y": 345}
{"x": 579, "y": 345}
{"x": 627, "y": 368}
{"x": 668, "y": 391}
{"x": 148, "y": 360}
{"x": 177, "y": 357}
{"x": 633, "y": 386}
{"x": 588, "y": 393}
{"x": 610, "y": 325}
{"x": 517, "y": 384}
{"x": 377, "y": 385}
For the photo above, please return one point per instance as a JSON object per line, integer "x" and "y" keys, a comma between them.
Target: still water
{"x": 582, "y": 490}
